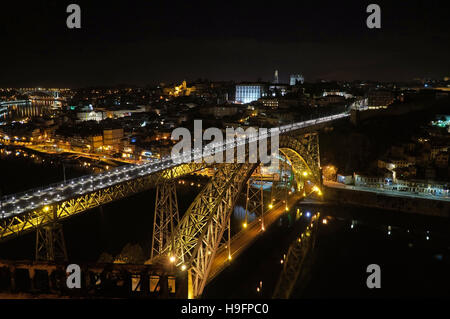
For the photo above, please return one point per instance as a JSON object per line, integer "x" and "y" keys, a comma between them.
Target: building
{"x": 380, "y": 99}
{"x": 329, "y": 99}
{"x": 275, "y": 78}
{"x": 179, "y": 90}
{"x": 296, "y": 78}
{"x": 112, "y": 139}
{"x": 95, "y": 141}
{"x": 270, "y": 102}
{"x": 220, "y": 111}
{"x": 337, "y": 92}
{"x": 249, "y": 92}
{"x": 278, "y": 89}
{"x": 442, "y": 160}
{"x": 89, "y": 116}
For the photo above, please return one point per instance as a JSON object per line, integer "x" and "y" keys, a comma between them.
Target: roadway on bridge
{"x": 246, "y": 237}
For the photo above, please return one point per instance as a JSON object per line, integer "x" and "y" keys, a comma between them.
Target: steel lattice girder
{"x": 254, "y": 201}
{"x": 50, "y": 244}
{"x": 295, "y": 258}
{"x": 20, "y": 224}
{"x": 303, "y": 154}
{"x": 201, "y": 229}
{"x": 166, "y": 216}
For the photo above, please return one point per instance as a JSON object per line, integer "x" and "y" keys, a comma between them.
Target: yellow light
{"x": 172, "y": 259}
{"x": 287, "y": 208}
{"x": 245, "y": 225}
{"x": 305, "y": 173}
{"x": 270, "y": 206}
{"x": 324, "y": 221}
{"x": 46, "y": 209}
{"x": 183, "y": 267}
{"x": 229, "y": 257}
{"x": 317, "y": 190}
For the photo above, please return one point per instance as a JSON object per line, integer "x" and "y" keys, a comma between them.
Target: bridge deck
{"x": 245, "y": 238}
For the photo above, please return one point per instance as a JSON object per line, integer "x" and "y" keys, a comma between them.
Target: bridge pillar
{"x": 254, "y": 201}
{"x": 166, "y": 216}
{"x": 50, "y": 244}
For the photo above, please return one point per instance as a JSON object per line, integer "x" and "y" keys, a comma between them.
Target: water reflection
{"x": 413, "y": 252}
{"x": 26, "y": 110}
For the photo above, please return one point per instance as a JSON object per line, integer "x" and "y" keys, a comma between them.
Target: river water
{"x": 23, "y": 111}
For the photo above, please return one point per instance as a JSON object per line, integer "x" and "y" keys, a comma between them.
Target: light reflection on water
{"x": 22, "y": 111}
{"x": 413, "y": 252}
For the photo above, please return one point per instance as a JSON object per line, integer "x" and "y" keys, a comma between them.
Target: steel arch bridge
{"x": 192, "y": 244}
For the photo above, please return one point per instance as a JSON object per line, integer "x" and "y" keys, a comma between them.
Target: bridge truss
{"x": 190, "y": 243}
{"x": 199, "y": 234}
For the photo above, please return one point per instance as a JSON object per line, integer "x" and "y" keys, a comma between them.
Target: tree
{"x": 131, "y": 254}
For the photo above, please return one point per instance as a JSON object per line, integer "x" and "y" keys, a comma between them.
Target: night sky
{"x": 146, "y": 42}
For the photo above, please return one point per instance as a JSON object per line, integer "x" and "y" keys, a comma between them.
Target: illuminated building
{"x": 246, "y": 93}
{"x": 275, "y": 79}
{"x": 380, "y": 99}
{"x": 112, "y": 138}
{"x": 179, "y": 90}
{"x": 296, "y": 78}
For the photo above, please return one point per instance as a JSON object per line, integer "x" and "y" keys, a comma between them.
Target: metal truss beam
{"x": 200, "y": 232}
{"x": 50, "y": 244}
{"x": 166, "y": 216}
{"x": 201, "y": 229}
{"x": 20, "y": 224}
{"x": 297, "y": 254}
{"x": 254, "y": 201}
{"x": 303, "y": 154}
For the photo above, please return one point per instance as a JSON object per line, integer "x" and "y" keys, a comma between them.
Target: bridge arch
{"x": 197, "y": 237}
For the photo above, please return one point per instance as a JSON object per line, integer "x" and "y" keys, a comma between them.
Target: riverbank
{"x": 429, "y": 207}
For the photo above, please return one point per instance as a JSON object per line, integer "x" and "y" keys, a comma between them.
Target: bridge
{"x": 191, "y": 243}
{"x": 42, "y": 93}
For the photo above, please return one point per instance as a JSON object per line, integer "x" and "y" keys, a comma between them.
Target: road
{"x": 246, "y": 237}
